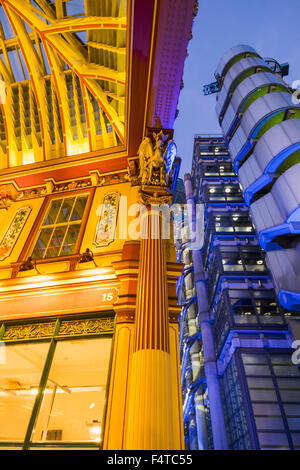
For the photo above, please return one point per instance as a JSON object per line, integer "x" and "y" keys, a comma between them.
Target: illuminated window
{"x": 53, "y": 387}
{"x": 60, "y": 229}
{"x": 20, "y": 375}
{"x": 74, "y": 396}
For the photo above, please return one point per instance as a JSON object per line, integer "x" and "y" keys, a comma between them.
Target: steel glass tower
{"x": 260, "y": 120}
{"x": 240, "y": 386}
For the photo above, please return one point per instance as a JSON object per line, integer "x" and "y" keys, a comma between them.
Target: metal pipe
{"x": 210, "y": 363}
{"x": 190, "y": 301}
{"x": 188, "y": 344}
{"x": 191, "y": 390}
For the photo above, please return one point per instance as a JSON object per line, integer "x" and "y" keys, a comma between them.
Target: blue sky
{"x": 270, "y": 26}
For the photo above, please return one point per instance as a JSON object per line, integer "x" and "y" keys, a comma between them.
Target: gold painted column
{"x": 150, "y": 418}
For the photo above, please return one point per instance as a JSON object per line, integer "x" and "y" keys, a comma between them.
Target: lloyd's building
{"x": 88, "y": 312}
{"x": 239, "y": 326}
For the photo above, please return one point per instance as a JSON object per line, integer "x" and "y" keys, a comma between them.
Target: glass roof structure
{"x": 63, "y": 78}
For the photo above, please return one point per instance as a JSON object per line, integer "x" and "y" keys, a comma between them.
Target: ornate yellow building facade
{"x": 88, "y": 310}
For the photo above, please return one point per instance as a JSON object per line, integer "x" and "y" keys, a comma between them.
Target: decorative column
{"x": 150, "y": 418}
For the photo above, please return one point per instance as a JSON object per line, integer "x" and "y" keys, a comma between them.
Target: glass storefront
{"x": 53, "y": 380}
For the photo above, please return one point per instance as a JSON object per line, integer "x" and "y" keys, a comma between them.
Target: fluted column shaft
{"x": 150, "y": 392}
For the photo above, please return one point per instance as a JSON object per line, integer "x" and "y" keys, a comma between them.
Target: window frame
{"x": 37, "y": 227}
{"x": 268, "y": 356}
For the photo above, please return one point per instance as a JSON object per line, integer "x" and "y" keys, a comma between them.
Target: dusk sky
{"x": 270, "y": 26}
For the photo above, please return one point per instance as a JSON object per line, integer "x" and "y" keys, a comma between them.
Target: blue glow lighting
{"x": 266, "y": 236}
{"x": 268, "y": 174}
{"x": 191, "y": 390}
{"x": 186, "y": 306}
{"x": 289, "y": 300}
{"x": 189, "y": 342}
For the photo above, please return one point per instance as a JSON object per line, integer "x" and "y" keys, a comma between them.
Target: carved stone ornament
{"x": 151, "y": 197}
{"x": 153, "y": 171}
{"x": 87, "y": 327}
{"x": 27, "y": 332}
{"x": 36, "y": 331}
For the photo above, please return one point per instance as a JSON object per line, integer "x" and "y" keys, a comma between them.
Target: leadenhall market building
{"x": 88, "y": 313}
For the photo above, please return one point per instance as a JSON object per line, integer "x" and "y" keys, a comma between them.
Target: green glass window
{"x": 60, "y": 228}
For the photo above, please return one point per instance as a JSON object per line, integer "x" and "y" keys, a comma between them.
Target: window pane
{"x": 281, "y": 359}
{"x": 42, "y": 243}
{"x": 294, "y": 424}
{"x": 273, "y": 439}
{"x": 56, "y": 241}
{"x": 292, "y": 410}
{"x": 296, "y": 440}
{"x": 79, "y": 207}
{"x": 291, "y": 371}
{"x": 269, "y": 424}
{"x": 263, "y": 395}
{"x": 19, "y": 381}
{"x": 66, "y": 210}
{"x": 290, "y": 395}
{"x": 70, "y": 240}
{"x": 52, "y": 212}
{"x": 260, "y": 382}
{"x": 257, "y": 370}
{"x": 63, "y": 218}
{"x": 245, "y": 318}
{"x": 254, "y": 358}
{"x": 289, "y": 384}
{"x": 74, "y": 398}
{"x": 266, "y": 409}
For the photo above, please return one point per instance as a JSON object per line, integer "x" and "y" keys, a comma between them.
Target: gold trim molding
{"x": 68, "y": 328}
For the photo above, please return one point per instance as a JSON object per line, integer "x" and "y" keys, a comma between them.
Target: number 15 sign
{"x": 108, "y": 296}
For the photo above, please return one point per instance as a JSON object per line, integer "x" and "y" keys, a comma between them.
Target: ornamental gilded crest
{"x": 106, "y": 226}
{"x": 13, "y": 232}
{"x": 153, "y": 171}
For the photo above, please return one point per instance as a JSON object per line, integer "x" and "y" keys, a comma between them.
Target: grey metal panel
{"x": 276, "y": 207}
{"x": 237, "y": 142}
{"x": 285, "y": 267}
{"x": 228, "y": 119}
{"x": 286, "y": 191}
{"x": 245, "y": 88}
{"x": 249, "y": 172}
{"x": 230, "y": 54}
{"x": 256, "y": 112}
{"x": 265, "y": 213}
{"x": 273, "y": 142}
{"x": 233, "y": 73}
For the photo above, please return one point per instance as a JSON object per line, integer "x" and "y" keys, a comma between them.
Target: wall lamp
{"x": 28, "y": 265}
{"x": 86, "y": 257}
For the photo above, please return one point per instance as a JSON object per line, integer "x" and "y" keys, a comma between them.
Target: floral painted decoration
{"x": 106, "y": 227}
{"x": 12, "y": 234}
